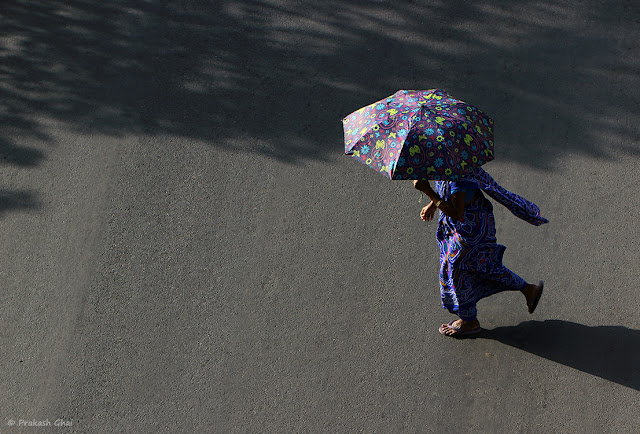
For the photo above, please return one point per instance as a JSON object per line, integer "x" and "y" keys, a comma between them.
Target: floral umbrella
{"x": 420, "y": 134}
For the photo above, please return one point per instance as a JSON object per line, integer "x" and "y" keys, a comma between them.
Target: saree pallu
{"x": 470, "y": 257}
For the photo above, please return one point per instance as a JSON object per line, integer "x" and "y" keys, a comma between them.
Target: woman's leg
{"x": 503, "y": 279}
{"x": 465, "y": 309}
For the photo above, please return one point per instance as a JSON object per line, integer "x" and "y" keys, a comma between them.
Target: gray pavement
{"x": 186, "y": 249}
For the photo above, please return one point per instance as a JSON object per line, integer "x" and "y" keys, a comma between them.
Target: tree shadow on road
{"x": 275, "y": 78}
{"x": 17, "y": 200}
{"x": 16, "y": 155}
{"x": 609, "y": 352}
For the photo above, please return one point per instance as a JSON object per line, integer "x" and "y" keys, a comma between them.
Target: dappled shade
{"x": 297, "y": 68}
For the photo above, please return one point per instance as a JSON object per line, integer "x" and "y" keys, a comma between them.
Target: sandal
{"x": 458, "y": 332}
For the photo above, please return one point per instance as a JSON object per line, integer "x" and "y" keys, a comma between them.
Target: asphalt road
{"x": 186, "y": 249}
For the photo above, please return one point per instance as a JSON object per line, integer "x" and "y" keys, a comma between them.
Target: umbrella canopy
{"x": 420, "y": 134}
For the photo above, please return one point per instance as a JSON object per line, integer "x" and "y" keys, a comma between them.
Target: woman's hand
{"x": 428, "y": 212}
{"x": 423, "y": 185}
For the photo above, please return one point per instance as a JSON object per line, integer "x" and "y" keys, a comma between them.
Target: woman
{"x": 470, "y": 258}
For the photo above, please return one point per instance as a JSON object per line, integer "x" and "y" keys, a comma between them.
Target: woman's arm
{"x": 453, "y": 208}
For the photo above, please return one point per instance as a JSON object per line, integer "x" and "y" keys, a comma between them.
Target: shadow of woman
{"x": 610, "y": 352}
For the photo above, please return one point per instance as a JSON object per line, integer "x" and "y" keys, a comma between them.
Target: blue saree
{"x": 470, "y": 257}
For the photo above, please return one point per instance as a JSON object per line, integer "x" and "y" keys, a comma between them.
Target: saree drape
{"x": 470, "y": 258}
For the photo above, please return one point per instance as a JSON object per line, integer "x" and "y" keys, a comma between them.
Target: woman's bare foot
{"x": 460, "y": 328}
{"x": 532, "y": 293}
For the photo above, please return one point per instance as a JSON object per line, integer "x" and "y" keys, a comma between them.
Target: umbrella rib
{"x": 411, "y": 123}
